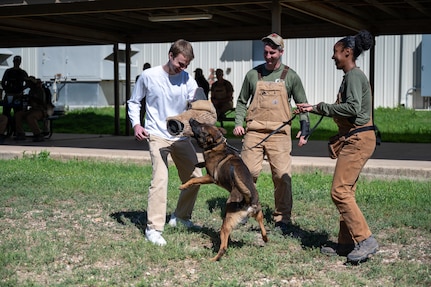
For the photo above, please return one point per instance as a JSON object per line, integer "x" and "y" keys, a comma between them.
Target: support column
{"x": 116, "y": 92}
{"x": 276, "y": 17}
{"x": 128, "y": 81}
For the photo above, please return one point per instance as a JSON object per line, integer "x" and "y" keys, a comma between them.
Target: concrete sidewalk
{"x": 390, "y": 160}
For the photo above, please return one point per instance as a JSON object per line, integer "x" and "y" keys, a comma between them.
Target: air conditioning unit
{"x": 426, "y": 66}
{"x": 425, "y": 85}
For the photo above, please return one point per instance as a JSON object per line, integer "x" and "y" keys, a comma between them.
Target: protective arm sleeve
{"x": 305, "y": 128}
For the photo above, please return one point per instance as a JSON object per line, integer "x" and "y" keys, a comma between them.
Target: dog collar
{"x": 223, "y": 140}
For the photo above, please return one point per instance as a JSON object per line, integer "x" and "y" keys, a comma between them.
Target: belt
{"x": 360, "y": 130}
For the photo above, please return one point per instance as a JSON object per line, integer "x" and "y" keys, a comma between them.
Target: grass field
{"x": 81, "y": 223}
{"x": 396, "y": 125}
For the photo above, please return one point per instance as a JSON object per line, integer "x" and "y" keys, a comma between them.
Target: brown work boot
{"x": 334, "y": 249}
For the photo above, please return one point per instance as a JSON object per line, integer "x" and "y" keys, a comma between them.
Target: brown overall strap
{"x": 284, "y": 73}
{"x": 282, "y": 77}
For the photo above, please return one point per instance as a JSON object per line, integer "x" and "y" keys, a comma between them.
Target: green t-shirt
{"x": 293, "y": 83}
{"x": 355, "y": 102}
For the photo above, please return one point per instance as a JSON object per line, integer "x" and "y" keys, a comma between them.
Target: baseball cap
{"x": 275, "y": 38}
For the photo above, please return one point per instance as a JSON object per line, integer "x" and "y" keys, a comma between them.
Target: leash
{"x": 286, "y": 123}
{"x": 275, "y": 131}
{"x": 314, "y": 127}
{"x": 223, "y": 140}
{"x": 232, "y": 148}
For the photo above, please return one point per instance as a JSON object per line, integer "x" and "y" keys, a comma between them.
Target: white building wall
{"x": 311, "y": 59}
{"x": 410, "y": 74}
{"x": 396, "y": 75}
{"x": 397, "y": 69}
{"x": 387, "y": 70}
{"x": 306, "y": 56}
{"x": 234, "y": 57}
{"x": 397, "y": 66}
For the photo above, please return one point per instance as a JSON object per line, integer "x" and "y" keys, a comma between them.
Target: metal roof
{"x": 37, "y": 23}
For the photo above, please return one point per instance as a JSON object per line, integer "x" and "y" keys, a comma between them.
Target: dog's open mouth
{"x": 195, "y": 125}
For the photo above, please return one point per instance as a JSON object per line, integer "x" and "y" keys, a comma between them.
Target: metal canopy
{"x": 27, "y": 23}
{"x": 39, "y": 23}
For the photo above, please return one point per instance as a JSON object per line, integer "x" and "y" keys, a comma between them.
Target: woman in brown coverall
{"x": 352, "y": 112}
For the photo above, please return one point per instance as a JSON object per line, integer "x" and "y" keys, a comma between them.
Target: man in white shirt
{"x": 166, "y": 91}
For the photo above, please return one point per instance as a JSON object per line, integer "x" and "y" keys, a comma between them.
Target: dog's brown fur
{"x": 225, "y": 168}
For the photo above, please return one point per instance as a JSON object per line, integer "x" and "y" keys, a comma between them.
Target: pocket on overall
{"x": 335, "y": 145}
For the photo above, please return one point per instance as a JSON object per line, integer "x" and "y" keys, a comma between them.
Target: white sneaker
{"x": 155, "y": 237}
{"x": 187, "y": 223}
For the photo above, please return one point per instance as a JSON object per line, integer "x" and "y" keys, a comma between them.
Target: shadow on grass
{"x": 308, "y": 238}
{"x": 138, "y": 218}
{"x": 218, "y": 203}
{"x": 215, "y": 239}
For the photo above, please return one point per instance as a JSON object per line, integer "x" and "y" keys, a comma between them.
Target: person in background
{"x": 166, "y": 91}
{"x": 202, "y": 82}
{"x": 3, "y": 127}
{"x": 352, "y": 112}
{"x": 142, "y": 113}
{"x": 221, "y": 94}
{"x": 37, "y": 112}
{"x": 13, "y": 83}
{"x": 144, "y": 67}
{"x": 270, "y": 87}
{"x": 211, "y": 77}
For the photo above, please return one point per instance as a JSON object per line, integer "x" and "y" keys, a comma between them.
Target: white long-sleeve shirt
{"x": 165, "y": 96}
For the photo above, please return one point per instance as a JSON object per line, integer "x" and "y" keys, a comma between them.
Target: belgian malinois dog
{"x": 226, "y": 169}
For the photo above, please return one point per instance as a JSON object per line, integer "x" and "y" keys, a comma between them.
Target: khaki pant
{"x": 277, "y": 149}
{"x": 352, "y": 158}
{"x": 32, "y": 117}
{"x": 184, "y": 156}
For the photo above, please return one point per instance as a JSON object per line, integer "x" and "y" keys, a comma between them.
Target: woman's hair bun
{"x": 364, "y": 40}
